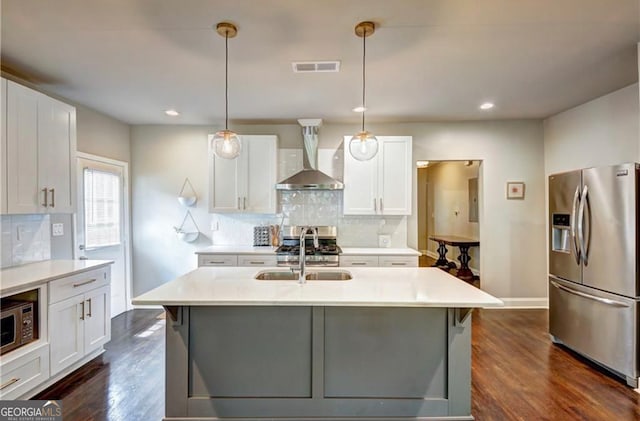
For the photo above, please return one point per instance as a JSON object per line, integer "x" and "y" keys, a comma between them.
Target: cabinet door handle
{"x": 257, "y": 263}
{"x": 216, "y": 262}
{"x": 381, "y": 207}
{"x": 358, "y": 263}
{"x": 239, "y": 204}
{"x": 244, "y": 203}
{"x": 375, "y": 205}
{"x": 84, "y": 283}
{"x": 398, "y": 264}
{"x": 53, "y": 197}
{"x": 9, "y": 383}
{"x": 89, "y": 302}
{"x": 82, "y": 313}
{"x": 46, "y": 197}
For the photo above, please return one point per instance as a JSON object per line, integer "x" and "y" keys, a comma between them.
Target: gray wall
{"x": 101, "y": 135}
{"x": 600, "y": 132}
{"x": 511, "y": 232}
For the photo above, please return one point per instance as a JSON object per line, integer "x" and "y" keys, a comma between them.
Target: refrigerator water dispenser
{"x": 560, "y": 234}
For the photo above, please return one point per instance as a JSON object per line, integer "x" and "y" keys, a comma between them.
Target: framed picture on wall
{"x": 515, "y": 190}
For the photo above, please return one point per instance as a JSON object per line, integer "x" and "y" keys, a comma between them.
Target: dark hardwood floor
{"x": 517, "y": 375}
{"x": 126, "y": 383}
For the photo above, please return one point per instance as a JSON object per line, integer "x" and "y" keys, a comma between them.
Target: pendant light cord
{"x": 226, "y": 80}
{"x": 364, "y": 54}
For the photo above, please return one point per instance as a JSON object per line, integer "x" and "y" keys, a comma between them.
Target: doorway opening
{"x": 448, "y": 225}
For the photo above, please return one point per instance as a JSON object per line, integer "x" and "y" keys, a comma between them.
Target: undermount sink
{"x": 329, "y": 275}
{"x": 276, "y": 275}
{"x": 325, "y": 275}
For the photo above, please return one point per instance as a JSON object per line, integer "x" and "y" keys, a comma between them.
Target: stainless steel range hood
{"x": 310, "y": 178}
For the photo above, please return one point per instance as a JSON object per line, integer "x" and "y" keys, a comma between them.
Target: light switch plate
{"x": 57, "y": 230}
{"x": 384, "y": 240}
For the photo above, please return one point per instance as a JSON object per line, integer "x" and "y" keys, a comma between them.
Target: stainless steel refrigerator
{"x": 593, "y": 265}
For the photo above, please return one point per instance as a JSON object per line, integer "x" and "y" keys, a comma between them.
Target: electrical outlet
{"x": 384, "y": 240}
{"x": 57, "y": 230}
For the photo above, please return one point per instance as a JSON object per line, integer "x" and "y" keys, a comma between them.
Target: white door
{"x": 66, "y": 332}
{"x": 97, "y": 324}
{"x": 100, "y": 224}
{"x": 394, "y": 175}
{"x": 261, "y": 174}
{"x": 360, "y": 195}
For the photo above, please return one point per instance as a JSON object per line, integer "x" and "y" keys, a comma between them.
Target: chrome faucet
{"x": 303, "y": 237}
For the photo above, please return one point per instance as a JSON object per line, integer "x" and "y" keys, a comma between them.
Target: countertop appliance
{"x": 17, "y": 321}
{"x": 593, "y": 265}
{"x": 326, "y": 254}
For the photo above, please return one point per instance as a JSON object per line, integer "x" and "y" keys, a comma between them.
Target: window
{"x": 101, "y": 208}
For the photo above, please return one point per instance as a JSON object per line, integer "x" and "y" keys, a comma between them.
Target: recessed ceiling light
{"x": 360, "y": 109}
{"x": 172, "y": 113}
{"x": 487, "y": 106}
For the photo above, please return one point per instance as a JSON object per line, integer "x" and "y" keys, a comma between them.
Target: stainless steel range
{"x": 324, "y": 253}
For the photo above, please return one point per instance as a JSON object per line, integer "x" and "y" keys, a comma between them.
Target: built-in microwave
{"x": 18, "y": 324}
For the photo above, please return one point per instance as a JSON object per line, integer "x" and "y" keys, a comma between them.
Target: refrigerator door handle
{"x": 589, "y": 296}
{"x": 583, "y": 201}
{"x": 574, "y": 211}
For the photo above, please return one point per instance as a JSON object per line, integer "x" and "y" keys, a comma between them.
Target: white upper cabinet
{"x": 247, "y": 183}
{"x": 3, "y": 146}
{"x": 40, "y": 152}
{"x": 382, "y": 185}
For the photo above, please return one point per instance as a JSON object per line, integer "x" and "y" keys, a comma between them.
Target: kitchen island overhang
{"x": 388, "y": 344}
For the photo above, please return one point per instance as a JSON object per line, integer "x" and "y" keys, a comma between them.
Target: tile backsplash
{"x": 25, "y": 238}
{"x": 315, "y": 207}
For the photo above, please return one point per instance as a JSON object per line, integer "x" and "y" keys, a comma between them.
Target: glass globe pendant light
{"x": 226, "y": 143}
{"x": 364, "y": 145}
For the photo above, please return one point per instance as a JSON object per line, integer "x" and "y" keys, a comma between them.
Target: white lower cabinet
{"x": 257, "y": 260}
{"x": 398, "y": 261}
{"x": 23, "y": 374}
{"x": 78, "y": 324}
{"x": 378, "y": 261}
{"x": 217, "y": 260}
{"x": 214, "y": 259}
{"x": 359, "y": 261}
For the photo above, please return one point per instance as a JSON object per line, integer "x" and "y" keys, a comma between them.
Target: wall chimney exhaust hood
{"x": 310, "y": 178}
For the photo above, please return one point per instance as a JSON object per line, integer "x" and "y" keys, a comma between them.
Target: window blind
{"x": 101, "y": 208}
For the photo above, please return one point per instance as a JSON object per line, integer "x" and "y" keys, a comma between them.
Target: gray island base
{"x": 317, "y": 363}
{"x": 387, "y": 344}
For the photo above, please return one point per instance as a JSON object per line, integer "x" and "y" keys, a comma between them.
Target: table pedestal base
{"x": 464, "y": 272}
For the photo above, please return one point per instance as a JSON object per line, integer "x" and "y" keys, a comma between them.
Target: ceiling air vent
{"x": 315, "y": 66}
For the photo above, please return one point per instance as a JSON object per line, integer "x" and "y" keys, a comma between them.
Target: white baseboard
{"x": 432, "y": 254}
{"x": 523, "y": 303}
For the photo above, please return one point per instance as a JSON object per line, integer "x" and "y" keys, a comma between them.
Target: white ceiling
{"x": 428, "y": 60}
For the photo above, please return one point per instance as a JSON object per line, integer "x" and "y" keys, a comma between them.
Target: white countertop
{"x": 346, "y": 251}
{"x": 379, "y": 251}
{"x": 237, "y": 250}
{"x": 379, "y": 287}
{"x": 23, "y": 276}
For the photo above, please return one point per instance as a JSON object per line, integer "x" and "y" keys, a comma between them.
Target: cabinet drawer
{"x": 257, "y": 260}
{"x": 399, "y": 261}
{"x": 359, "y": 261}
{"x": 217, "y": 260}
{"x": 24, "y": 373}
{"x": 63, "y": 288}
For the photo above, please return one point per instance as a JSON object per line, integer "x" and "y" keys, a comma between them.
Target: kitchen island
{"x": 387, "y": 344}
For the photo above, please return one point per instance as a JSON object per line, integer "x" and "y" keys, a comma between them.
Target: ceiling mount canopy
{"x": 226, "y": 143}
{"x": 364, "y": 145}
